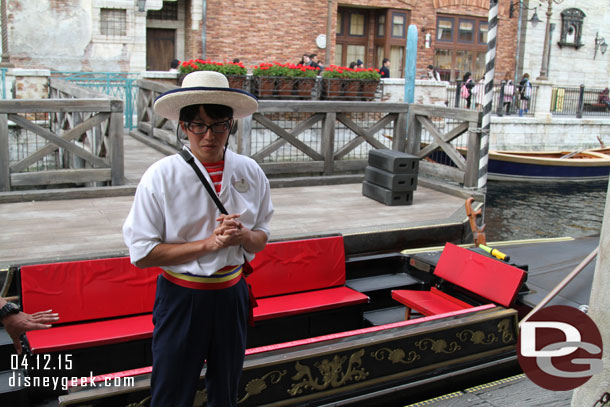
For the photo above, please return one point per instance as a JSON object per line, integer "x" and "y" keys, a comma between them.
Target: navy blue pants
{"x": 193, "y": 326}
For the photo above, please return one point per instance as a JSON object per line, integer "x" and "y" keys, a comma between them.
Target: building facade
{"x": 145, "y": 35}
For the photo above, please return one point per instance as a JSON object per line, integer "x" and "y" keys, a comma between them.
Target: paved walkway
{"x": 86, "y": 228}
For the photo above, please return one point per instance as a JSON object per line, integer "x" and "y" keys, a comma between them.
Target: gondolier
{"x": 201, "y": 305}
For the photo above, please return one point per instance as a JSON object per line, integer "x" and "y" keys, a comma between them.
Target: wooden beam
{"x": 5, "y": 180}
{"x": 68, "y": 136}
{"x": 438, "y": 138}
{"x": 81, "y": 152}
{"x": 274, "y": 146}
{"x": 290, "y": 138}
{"x": 60, "y": 105}
{"x": 50, "y": 177}
{"x": 363, "y": 135}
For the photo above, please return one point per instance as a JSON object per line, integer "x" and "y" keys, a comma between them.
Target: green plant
{"x": 285, "y": 70}
{"x": 228, "y": 69}
{"x": 342, "y": 72}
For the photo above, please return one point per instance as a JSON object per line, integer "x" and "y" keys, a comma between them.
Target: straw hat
{"x": 205, "y": 87}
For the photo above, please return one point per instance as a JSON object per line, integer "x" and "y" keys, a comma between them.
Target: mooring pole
{"x": 490, "y": 62}
{"x": 410, "y": 62}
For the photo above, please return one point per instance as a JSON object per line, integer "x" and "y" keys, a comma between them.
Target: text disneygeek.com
{"x": 64, "y": 383}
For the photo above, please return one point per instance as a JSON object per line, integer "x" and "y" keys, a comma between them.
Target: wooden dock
{"x": 53, "y": 230}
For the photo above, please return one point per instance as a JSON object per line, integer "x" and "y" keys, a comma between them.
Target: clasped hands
{"x": 230, "y": 231}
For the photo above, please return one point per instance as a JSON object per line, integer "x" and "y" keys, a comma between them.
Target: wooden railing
{"x": 323, "y": 138}
{"x": 74, "y": 137}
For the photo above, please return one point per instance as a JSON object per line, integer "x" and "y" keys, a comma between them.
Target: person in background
{"x": 305, "y": 60}
{"x": 479, "y": 92}
{"x": 202, "y": 301}
{"x": 352, "y": 65}
{"x": 236, "y": 60}
{"x": 525, "y": 92}
{"x": 385, "y": 68}
{"x": 509, "y": 91}
{"x": 359, "y": 64}
{"x": 466, "y": 89}
{"x": 433, "y": 73}
{"x": 604, "y": 98}
{"x": 173, "y": 66}
{"x": 315, "y": 63}
{"x": 17, "y": 322}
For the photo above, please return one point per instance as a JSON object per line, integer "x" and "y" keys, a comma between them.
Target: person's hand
{"x": 229, "y": 232}
{"x": 17, "y": 324}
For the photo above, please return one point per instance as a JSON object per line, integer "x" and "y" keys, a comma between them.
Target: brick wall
{"x": 277, "y": 30}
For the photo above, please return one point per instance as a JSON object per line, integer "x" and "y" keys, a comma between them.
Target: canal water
{"x": 521, "y": 210}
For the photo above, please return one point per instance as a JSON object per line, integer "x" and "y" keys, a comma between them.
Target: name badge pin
{"x": 242, "y": 186}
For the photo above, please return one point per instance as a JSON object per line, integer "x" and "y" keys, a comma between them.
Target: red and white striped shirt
{"x": 215, "y": 172}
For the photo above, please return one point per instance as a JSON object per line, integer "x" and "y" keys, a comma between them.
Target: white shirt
{"x": 171, "y": 205}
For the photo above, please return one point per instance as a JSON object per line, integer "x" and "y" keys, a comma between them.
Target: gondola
{"x": 586, "y": 165}
{"x": 360, "y": 352}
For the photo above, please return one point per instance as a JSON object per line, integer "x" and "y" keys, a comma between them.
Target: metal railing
{"x": 117, "y": 84}
{"x": 501, "y": 104}
{"x": 580, "y": 101}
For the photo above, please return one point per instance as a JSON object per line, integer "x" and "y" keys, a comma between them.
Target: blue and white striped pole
{"x": 490, "y": 62}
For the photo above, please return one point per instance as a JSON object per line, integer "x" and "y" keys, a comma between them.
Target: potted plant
{"x": 281, "y": 79}
{"x": 332, "y": 81}
{"x": 305, "y": 80}
{"x": 235, "y": 72}
{"x": 370, "y": 81}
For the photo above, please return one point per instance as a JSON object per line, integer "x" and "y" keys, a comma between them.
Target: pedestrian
{"x": 352, "y": 65}
{"x": 433, "y": 73}
{"x": 305, "y": 60}
{"x": 359, "y": 64}
{"x": 315, "y": 63}
{"x": 479, "y": 92}
{"x": 525, "y": 92}
{"x": 17, "y": 322}
{"x": 173, "y": 65}
{"x": 604, "y": 97}
{"x": 466, "y": 88}
{"x": 385, "y": 68}
{"x": 509, "y": 91}
{"x": 202, "y": 301}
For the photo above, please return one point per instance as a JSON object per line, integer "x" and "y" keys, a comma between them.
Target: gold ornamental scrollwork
{"x": 258, "y": 385}
{"x": 438, "y": 345}
{"x": 143, "y": 403}
{"x": 477, "y": 337}
{"x": 331, "y": 371}
{"x": 396, "y": 355}
{"x": 504, "y": 327}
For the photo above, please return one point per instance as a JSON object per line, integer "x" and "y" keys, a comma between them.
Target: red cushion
{"x": 298, "y": 265}
{"x": 482, "y": 275}
{"x": 91, "y": 334}
{"x": 431, "y": 302}
{"x": 312, "y": 301}
{"x": 89, "y": 289}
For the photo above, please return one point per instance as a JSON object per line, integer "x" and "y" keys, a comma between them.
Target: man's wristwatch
{"x": 8, "y": 309}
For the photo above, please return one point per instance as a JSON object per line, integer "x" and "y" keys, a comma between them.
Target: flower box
{"x": 332, "y": 88}
{"x": 287, "y": 80}
{"x": 355, "y": 81}
{"x": 369, "y": 88}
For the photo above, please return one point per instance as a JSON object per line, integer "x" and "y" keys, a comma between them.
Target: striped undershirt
{"x": 215, "y": 172}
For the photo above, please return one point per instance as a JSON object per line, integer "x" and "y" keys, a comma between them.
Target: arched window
{"x": 571, "y": 28}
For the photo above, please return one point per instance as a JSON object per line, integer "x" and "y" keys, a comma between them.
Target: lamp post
{"x": 544, "y": 68}
{"x": 6, "y": 56}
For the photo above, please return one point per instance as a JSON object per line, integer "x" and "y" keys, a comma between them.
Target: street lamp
{"x": 600, "y": 43}
{"x": 511, "y": 12}
{"x": 544, "y": 67}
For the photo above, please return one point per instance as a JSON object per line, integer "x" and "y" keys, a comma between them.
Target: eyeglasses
{"x": 202, "y": 128}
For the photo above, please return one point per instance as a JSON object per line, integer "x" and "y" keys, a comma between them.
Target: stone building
{"x": 145, "y": 35}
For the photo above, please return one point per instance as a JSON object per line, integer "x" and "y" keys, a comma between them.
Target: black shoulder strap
{"x": 189, "y": 159}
